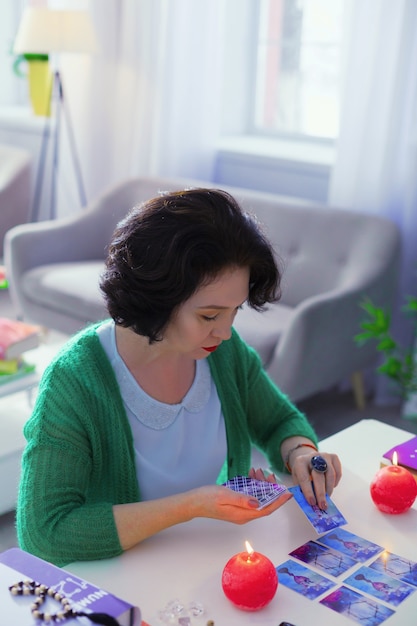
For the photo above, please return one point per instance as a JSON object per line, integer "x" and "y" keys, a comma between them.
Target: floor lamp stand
{"x": 61, "y": 109}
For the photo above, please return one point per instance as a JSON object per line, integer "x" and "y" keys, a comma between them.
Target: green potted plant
{"x": 399, "y": 363}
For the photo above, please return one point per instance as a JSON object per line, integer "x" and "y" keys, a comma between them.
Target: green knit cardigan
{"x": 79, "y": 458}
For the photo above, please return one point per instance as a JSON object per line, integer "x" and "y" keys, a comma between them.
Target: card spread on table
{"x": 397, "y": 566}
{"x": 303, "y": 580}
{"x": 263, "y": 491}
{"x": 380, "y": 585}
{"x": 330, "y": 561}
{"x": 321, "y": 520}
{"x": 389, "y": 578}
{"x": 356, "y": 607}
{"x": 358, "y": 548}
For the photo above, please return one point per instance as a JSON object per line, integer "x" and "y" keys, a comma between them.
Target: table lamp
{"x": 43, "y": 32}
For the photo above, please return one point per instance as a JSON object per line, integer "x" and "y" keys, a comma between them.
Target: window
{"x": 298, "y": 64}
{"x": 13, "y": 88}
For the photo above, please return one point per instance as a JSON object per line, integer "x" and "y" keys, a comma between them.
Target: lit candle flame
{"x": 395, "y": 458}
{"x": 249, "y": 548}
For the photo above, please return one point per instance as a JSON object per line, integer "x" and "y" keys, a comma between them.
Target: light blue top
{"x": 177, "y": 446}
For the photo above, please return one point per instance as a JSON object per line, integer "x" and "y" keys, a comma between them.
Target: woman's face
{"x": 205, "y": 320}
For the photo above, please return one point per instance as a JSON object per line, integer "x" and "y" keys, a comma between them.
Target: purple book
{"x": 407, "y": 453}
{"x": 17, "y": 565}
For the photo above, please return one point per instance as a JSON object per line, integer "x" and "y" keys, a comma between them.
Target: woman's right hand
{"x": 137, "y": 521}
{"x": 218, "y": 502}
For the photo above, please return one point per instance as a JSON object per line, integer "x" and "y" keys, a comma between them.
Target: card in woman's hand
{"x": 322, "y": 520}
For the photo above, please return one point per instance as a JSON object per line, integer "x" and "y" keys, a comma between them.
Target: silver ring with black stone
{"x": 318, "y": 464}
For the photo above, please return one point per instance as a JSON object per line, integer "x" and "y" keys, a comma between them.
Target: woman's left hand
{"x": 315, "y": 484}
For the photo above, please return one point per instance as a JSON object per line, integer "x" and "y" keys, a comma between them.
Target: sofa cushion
{"x": 69, "y": 288}
{"x": 263, "y": 329}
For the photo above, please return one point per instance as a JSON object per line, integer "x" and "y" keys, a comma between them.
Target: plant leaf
{"x": 387, "y": 344}
{"x": 392, "y": 367}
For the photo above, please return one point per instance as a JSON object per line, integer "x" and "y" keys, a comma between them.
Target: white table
{"x": 186, "y": 561}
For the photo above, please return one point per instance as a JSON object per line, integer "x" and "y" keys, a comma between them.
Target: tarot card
{"x": 358, "y": 548}
{"x": 355, "y": 606}
{"x": 397, "y": 566}
{"x": 263, "y": 491}
{"x": 303, "y": 580}
{"x": 379, "y": 585}
{"x": 330, "y": 561}
{"x": 321, "y": 520}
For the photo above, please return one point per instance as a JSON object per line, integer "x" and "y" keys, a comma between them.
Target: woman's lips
{"x": 211, "y": 349}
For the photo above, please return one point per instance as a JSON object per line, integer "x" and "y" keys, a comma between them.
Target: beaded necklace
{"x": 42, "y": 592}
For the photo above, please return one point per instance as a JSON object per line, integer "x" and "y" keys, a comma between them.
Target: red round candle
{"x": 249, "y": 580}
{"x": 393, "y": 489}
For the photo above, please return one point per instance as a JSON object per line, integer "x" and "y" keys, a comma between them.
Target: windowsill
{"x": 296, "y": 151}
{"x": 294, "y": 168}
{"x": 22, "y": 118}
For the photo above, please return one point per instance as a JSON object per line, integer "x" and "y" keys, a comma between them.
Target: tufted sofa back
{"x": 322, "y": 248}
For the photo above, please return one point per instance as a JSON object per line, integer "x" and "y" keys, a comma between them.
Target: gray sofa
{"x": 15, "y": 186}
{"x": 333, "y": 259}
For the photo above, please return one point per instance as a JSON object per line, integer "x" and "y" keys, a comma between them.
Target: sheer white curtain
{"x": 148, "y": 102}
{"x": 376, "y": 163}
{"x": 13, "y": 91}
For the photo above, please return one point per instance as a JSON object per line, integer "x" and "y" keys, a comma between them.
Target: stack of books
{"x": 16, "y": 338}
{"x": 407, "y": 456}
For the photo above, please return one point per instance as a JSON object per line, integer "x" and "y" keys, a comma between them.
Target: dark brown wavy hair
{"x": 163, "y": 251}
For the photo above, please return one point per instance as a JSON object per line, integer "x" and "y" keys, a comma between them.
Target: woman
{"x": 140, "y": 418}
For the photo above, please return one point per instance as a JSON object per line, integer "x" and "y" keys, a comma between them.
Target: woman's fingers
{"x": 315, "y": 484}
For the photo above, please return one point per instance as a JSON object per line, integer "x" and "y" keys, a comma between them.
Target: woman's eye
{"x": 209, "y": 318}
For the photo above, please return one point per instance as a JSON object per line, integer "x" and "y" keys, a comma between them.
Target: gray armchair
{"x": 333, "y": 259}
{"x": 15, "y": 188}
